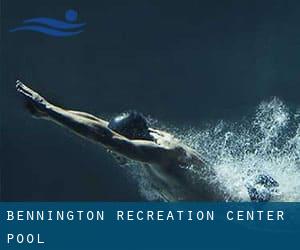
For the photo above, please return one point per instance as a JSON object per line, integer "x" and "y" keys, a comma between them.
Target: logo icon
{"x": 53, "y": 27}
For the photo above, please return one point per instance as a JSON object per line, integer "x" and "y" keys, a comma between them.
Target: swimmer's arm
{"x": 83, "y": 124}
{"x": 38, "y": 103}
{"x": 87, "y": 115}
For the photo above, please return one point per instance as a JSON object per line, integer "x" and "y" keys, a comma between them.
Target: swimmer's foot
{"x": 34, "y": 103}
{"x": 263, "y": 188}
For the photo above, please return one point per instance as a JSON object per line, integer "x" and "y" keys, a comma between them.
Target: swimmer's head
{"x": 132, "y": 125}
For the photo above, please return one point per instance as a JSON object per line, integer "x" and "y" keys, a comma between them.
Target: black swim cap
{"x": 132, "y": 125}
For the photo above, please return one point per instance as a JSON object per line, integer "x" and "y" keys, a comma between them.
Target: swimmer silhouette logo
{"x": 53, "y": 27}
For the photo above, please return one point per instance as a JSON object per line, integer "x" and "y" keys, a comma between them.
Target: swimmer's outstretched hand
{"x": 35, "y": 103}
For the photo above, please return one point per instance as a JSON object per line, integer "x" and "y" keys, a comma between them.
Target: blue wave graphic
{"x": 55, "y": 27}
{"x": 53, "y": 23}
{"x": 47, "y": 31}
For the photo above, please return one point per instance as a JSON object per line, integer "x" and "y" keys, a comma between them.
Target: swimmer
{"x": 129, "y": 136}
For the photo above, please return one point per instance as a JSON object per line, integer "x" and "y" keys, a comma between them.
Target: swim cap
{"x": 132, "y": 125}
